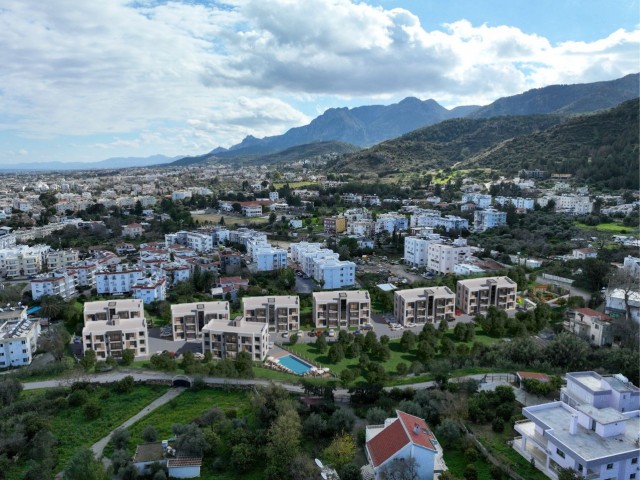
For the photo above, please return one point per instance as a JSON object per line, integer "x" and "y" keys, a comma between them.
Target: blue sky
{"x": 85, "y": 81}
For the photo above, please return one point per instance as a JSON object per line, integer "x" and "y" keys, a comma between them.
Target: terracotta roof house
{"x": 399, "y": 439}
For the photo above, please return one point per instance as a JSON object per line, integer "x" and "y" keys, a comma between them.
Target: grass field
{"x": 612, "y": 228}
{"x": 228, "y": 219}
{"x": 73, "y": 430}
{"x": 279, "y": 185}
{"x": 456, "y": 463}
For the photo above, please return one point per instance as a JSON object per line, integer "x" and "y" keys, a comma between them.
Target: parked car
{"x": 332, "y": 333}
{"x": 285, "y": 334}
{"x": 312, "y": 333}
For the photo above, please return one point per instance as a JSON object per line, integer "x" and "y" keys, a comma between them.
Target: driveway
{"x": 304, "y": 285}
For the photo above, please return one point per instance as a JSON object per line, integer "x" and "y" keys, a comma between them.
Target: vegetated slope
{"x": 255, "y": 156}
{"x": 442, "y": 145}
{"x": 565, "y": 99}
{"x": 599, "y": 148}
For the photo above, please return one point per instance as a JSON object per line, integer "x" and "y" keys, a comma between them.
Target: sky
{"x": 89, "y": 80}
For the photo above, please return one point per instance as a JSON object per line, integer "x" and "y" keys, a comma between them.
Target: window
{"x": 634, "y": 461}
{"x": 560, "y": 453}
{"x": 609, "y": 466}
{"x": 580, "y": 467}
{"x": 633, "y": 475}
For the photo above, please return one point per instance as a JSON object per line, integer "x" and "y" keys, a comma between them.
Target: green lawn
{"x": 611, "y": 227}
{"x": 456, "y": 463}
{"x": 73, "y": 430}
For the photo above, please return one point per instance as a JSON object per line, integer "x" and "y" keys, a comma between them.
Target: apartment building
{"x": 281, "y": 313}
{"x": 188, "y": 319}
{"x": 416, "y": 249}
{"x": 270, "y": 258}
{"x": 335, "y": 225}
{"x": 18, "y": 337}
{"x": 113, "y": 326}
{"x": 298, "y": 248}
{"x": 593, "y": 429}
{"x": 489, "y": 218}
{"x": 423, "y": 305}
{"x": 442, "y": 258}
{"x": 341, "y": 309}
{"x": 132, "y": 230}
{"x": 62, "y": 284}
{"x": 518, "y": 202}
{"x": 58, "y": 259}
{"x": 390, "y": 222}
{"x": 226, "y": 338}
{"x": 476, "y": 295}
{"x": 21, "y": 260}
{"x": 85, "y": 273}
{"x": 332, "y": 273}
{"x": 479, "y": 199}
{"x": 120, "y": 279}
{"x": 150, "y": 289}
{"x": 591, "y": 325}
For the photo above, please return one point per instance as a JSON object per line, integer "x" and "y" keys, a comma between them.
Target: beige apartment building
{"x": 281, "y": 313}
{"x": 225, "y": 339}
{"x": 423, "y": 305}
{"x": 188, "y": 319}
{"x": 476, "y": 295}
{"x": 341, "y": 309}
{"x": 113, "y": 326}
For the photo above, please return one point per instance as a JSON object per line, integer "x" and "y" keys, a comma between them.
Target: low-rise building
{"x": 423, "y": 305}
{"x": 227, "y": 338}
{"x": 270, "y": 258}
{"x": 593, "y": 429}
{"x": 620, "y": 302}
{"x": 62, "y": 284}
{"x": 18, "y": 337}
{"x": 150, "y": 289}
{"x": 488, "y": 218}
{"x": 335, "y": 225}
{"x": 391, "y": 222}
{"x": 281, "y": 313}
{"x": 591, "y": 325}
{"x": 583, "y": 253}
{"x": 132, "y": 230}
{"x": 113, "y": 326}
{"x": 476, "y": 295}
{"x": 120, "y": 279}
{"x": 402, "y": 439}
{"x": 341, "y": 309}
{"x": 58, "y": 259}
{"x": 332, "y": 273}
{"x": 188, "y": 319}
{"x": 443, "y": 257}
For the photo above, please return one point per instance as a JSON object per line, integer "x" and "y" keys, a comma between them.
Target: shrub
{"x": 497, "y": 425}
{"x": 77, "y": 398}
{"x": 125, "y": 385}
{"x": 92, "y": 410}
{"x": 149, "y": 434}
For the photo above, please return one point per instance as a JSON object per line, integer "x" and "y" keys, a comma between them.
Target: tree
{"x": 244, "y": 365}
{"x": 120, "y": 438}
{"x": 293, "y": 339}
{"x": 321, "y": 344}
{"x": 55, "y": 343}
{"x": 10, "y": 389}
{"x": 84, "y": 466}
{"x": 128, "y": 356}
{"x": 567, "y": 352}
{"x": 448, "y": 432}
{"x": 470, "y": 472}
{"x": 408, "y": 341}
{"x": 336, "y": 353}
{"x": 569, "y": 474}
{"x": 149, "y": 434}
{"x": 376, "y": 416}
{"x": 303, "y": 468}
{"x": 342, "y": 420}
{"x": 405, "y": 469}
{"x": 283, "y": 444}
{"x": 341, "y": 451}
{"x": 242, "y": 457}
{"x": 52, "y": 307}
{"x": 190, "y": 441}
{"x": 89, "y": 360}
{"x": 314, "y": 426}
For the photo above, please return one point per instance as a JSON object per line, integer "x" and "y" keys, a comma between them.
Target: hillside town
{"x": 287, "y": 273}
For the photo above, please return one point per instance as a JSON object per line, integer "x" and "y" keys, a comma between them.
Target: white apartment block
{"x": 476, "y": 295}
{"x": 479, "y": 199}
{"x": 270, "y": 258}
{"x": 21, "y": 260}
{"x": 180, "y": 195}
{"x": 227, "y": 338}
{"x": 118, "y": 280}
{"x": 390, "y": 222}
{"x": 518, "y": 202}
{"x": 298, "y": 248}
{"x": 175, "y": 273}
{"x": 434, "y": 218}
{"x": 85, "y": 272}
{"x": 489, "y": 218}
{"x": 132, "y": 230}
{"x": 423, "y": 305}
{"x": 113, "y": 326}
{"x": 150, "y": 289}
{"x": 281, "y": 313}
{"x": 310, "y": 258}
{"x": 18, "y": 337}
{"x": 442, "y": 258}
{"x": 252, "y": 210}
{"x": 590, "y": 325}
{"x": 188, "y": 319}
{"x": 332, "y": 273}
{"x": 341, "y": 309}
{"x": 363, "y": 228}
{"x": 570, "y": 204}
{"x": 7, "y": 240}
{"x": 199, "y": 241}
{"x": 57, "y": 259}
{"x": 254, "y": 243}
{"x": 62, "y": 284}
{"x": 416, "y": 250}
{"x": 593, "y": 429}
{"x": 616, "y": 306}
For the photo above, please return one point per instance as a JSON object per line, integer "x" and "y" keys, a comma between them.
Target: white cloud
{"x": 220, "y": 72}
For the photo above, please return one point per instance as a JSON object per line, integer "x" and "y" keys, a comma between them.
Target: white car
{"x": 332, "y": 333}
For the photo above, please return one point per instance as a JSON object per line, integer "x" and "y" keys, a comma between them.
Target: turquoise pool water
{"x": 295, "y": 364}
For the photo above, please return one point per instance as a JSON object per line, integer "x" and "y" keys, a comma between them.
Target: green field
{"x": 279, "y": 185}
{"x": 612, "y": 228}
{"x": 229, "y": 220}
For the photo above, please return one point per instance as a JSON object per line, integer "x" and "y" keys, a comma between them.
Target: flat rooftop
{"x": 349, "y": 295}
{"x": 424, "y": 293}
{"x": 239, "y": 326}
{"x": 207, "y": 307}
{"x": 590, "y": 380}
{"x": 278, "y": 300}
{"x": 128, "y": 304}
{"x": 587, "y": 443}
{"x": 485, "y": 282}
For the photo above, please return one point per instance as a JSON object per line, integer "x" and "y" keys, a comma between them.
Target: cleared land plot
{"x": 228, "y": 220}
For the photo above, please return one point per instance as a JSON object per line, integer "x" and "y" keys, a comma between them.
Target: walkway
{"x": 99, "y": 446}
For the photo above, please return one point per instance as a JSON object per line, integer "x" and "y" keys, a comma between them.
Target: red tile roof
{"x": 593, "y": 313}
{"x": 397, "y": 435}
{"x": 184, "y": 462}
{"x": 542, "y": 377}
{"x": 385, "y": 444}
{"x": 422, "y": 434}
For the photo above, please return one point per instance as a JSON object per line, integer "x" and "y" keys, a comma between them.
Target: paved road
{"x": 100, "y": 445}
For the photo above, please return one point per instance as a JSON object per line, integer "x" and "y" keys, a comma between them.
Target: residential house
{"x": 18, "y": 337}
{"x": 591, "y": 325}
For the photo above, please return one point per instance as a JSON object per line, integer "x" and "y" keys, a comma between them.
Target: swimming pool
{"x": 295, "y": 364}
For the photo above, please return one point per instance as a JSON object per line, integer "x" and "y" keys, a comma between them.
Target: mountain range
{"x": 370, "y": 125}
{"x": 114, "y": 162}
